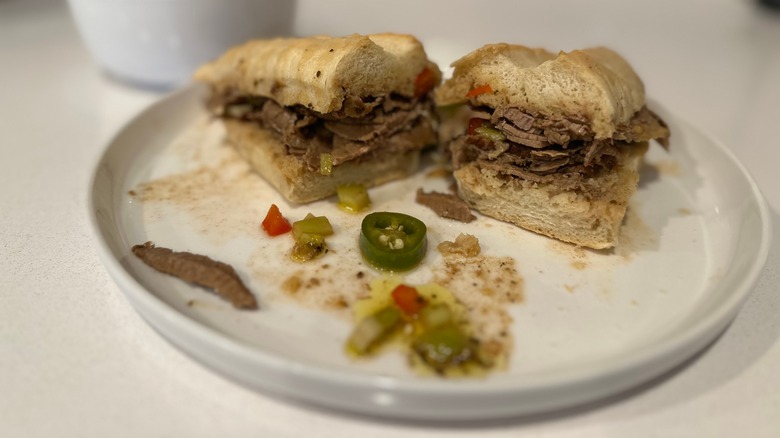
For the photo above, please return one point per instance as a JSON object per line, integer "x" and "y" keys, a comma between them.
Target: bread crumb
{"x": 464, "y": 245}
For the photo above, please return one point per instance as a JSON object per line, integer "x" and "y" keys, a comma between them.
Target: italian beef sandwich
{"x": 311, "y": 114}
{"x": 553, "y": 142}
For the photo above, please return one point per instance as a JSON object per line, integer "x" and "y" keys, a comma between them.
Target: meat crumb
{"x": 446, "y": 205}
{"x": 200, "y": 270}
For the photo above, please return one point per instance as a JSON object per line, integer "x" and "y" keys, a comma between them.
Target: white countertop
{"x": 76, "y": 359}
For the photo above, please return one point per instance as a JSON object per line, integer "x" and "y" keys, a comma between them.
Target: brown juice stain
{"x": 579, "y": 265}
{"x": 321, "y": 284}
{"x": 684, "y": 211}
{"x": 224, "y": 197}
{"x": 218, "y": 189}
{"x": 485, "y": 285}
{"x": 439, "y": 172}
{"x": 635, "y": 236}
{"x": 578, "y": 256}
{"x": 668, "y": 168}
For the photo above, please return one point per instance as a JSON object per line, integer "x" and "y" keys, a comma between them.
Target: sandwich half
{"x": 310, "y": 114}
{"x": 553, "y": 142}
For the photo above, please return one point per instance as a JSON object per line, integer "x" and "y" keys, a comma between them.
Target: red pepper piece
{"x": 424, "y": 83}
{"x": 474, "y": 92}
{"x": 408, "y": 299}
{"x": 274, "y": 223}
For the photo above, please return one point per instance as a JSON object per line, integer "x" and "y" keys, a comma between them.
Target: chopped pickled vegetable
{"x": 238, "y": 111}
{"x": 392, "y": 241}
{"x": 443, "y": 346}
{"x": 303, "y": 252}
{"x": 309, "y": 234}
{"x": 428, "y": 321}
{"x": 408, "y": 299}
{"x": 319, "y": 225}
{"x": 475, "y": 123}
{"x": 474, "y": 92}
{"x": 353, "y": 197}
{"x": 372, "y": 329}
{"x": 326, "y": 164}
{"x": 274, "y": 223}
{"x": 490, "y": 133}
{"x": 436, "y": 315}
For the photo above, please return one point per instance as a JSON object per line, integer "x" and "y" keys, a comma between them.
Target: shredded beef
{"x": 527, "y": 138}
{"x": 363, "y": 125}
{"x": 515, "y": 116}
{"x": 542, "y": 149}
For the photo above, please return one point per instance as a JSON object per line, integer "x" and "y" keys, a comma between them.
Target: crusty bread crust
{"x": 318, "y": 72}
{"x": 289, "y": 175}
{"x": 597, "y": 84}
{"x": 545, "y": 209}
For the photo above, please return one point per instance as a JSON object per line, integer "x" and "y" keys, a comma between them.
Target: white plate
{"x": 592, "y": 323}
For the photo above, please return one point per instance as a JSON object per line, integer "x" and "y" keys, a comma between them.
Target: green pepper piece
{"x": 392, "y": 241}
{"x": 443, "y": 346}
{"x": 373, "y": 329}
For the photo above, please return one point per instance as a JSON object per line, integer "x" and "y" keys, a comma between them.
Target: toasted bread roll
{"x": 553, "y": 142}
{"x": 593, "y": 84}
{"x": 568, "y": 215}
{"x": 297, "y": 183}
{"x": 320, "y": 72}
{"x": 310, "y": 114}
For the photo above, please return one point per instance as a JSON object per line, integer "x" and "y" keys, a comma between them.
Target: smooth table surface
{"x": 76, "y": 359}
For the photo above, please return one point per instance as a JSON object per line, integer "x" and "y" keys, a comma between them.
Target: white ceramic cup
{"x": 159, "y": 43}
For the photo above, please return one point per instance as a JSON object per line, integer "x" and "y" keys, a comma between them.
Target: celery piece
{"x": 326, "y": 164}
{"x": 372, "y": 329}
{"x": 312, "y": 225}
{"x": 490, "y": 133}
{"x": 353, "y": 197}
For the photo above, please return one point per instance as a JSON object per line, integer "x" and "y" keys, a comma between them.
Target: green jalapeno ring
{"x": 392, "y": 241}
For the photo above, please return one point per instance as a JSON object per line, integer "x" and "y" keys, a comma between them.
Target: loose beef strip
{"x": 199, "y": 270}
{"x": 445, "y": 205}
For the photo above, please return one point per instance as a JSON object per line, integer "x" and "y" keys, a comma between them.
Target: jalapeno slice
{"x": 392, "y": 241}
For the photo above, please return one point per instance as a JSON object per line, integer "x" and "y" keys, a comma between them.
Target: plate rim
{"x": 672, "y": 351}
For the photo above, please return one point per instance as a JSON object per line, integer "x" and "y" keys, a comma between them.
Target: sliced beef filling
{"x": 545, "y": 149}
{"x": 364, "y": 125}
